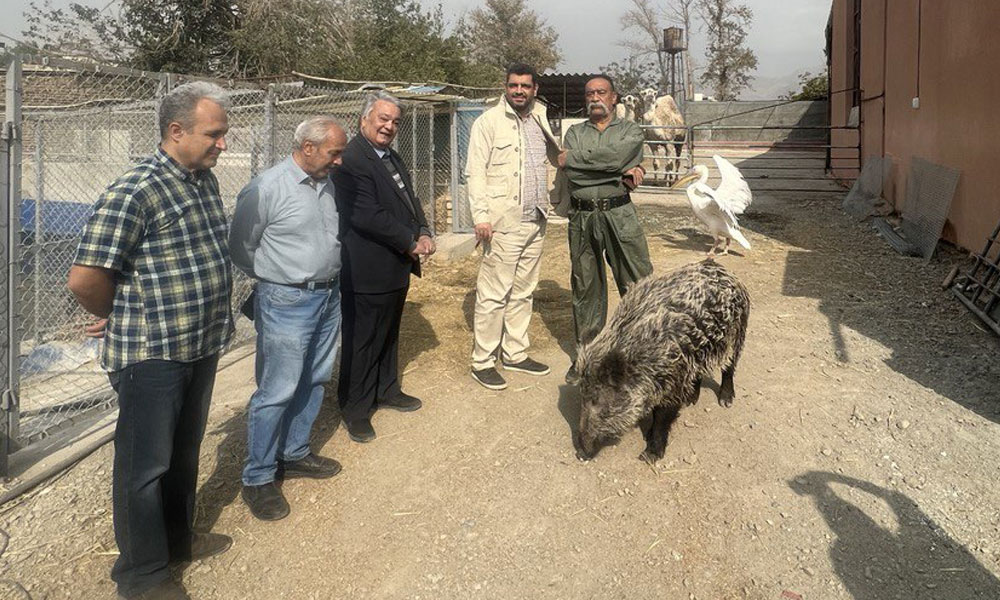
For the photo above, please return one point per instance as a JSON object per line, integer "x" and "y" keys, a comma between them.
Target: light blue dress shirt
{"x": 285, "y": 227}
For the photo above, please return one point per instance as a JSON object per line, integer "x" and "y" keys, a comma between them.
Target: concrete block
{"x": 454, "y": 246}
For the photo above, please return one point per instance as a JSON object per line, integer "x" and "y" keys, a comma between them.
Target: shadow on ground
{"x": 886, "y": 547}
{"x": 864, "y": 286}
{"x": 224, "y": 484}
{"x": 555, "y": 305}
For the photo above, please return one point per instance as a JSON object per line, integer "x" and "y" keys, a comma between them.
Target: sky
{"x": 787, "y": 35}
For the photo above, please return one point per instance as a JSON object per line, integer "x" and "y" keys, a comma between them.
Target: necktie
{"x": 391, "y": 167}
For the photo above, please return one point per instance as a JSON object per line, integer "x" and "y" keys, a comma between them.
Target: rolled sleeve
{"x": 112, "y": 233}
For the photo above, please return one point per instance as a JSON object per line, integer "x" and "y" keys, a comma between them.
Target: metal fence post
{"x": 453, "y": 184}
{"x": 38, "y": 234}
{"x": 431, "y": 165}
{"x": 269, "y": 127}
{"x": 9, "y": 221}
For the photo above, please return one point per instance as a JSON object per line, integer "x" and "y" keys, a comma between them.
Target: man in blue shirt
{"x": 284, "y": 234}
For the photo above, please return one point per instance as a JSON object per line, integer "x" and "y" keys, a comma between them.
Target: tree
{"x": 505, "y": 32}
{"x": 632, "y": 76}
{"x": 77, "y": 30}
{"x": 643, "y": 20}
{"x": 811, "y": 87}
{"x": 349, "y": 39}
{"x": 730, "y": 62}
{"x": 680, "y": 12}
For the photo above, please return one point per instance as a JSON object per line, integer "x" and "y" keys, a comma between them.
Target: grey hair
{"x": 179, "y": 104}
{"x": 374, "y": 97}
{"x": 314, "y": 130}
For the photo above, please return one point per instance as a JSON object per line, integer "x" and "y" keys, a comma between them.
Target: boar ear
{"x": 613, "y": 368}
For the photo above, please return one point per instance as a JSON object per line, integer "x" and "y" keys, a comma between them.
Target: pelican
{"x": 718, "y": 208}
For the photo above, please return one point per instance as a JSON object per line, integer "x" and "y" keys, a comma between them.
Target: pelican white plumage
{"x": 718, "y": 208}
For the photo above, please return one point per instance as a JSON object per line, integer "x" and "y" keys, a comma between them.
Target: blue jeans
{"x": 297, "y": 336}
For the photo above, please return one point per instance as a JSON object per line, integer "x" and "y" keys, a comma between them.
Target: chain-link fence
{"x": 74, "y": 129}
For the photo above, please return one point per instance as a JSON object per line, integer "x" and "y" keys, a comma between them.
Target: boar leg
{"x": 656, "y": 443}
{"x": 726, "y": 390}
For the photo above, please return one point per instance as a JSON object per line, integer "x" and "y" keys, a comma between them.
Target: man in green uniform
{"x": 601, "y": 162}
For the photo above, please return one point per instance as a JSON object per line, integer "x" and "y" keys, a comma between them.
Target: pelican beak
{"x": 691, "y": 176}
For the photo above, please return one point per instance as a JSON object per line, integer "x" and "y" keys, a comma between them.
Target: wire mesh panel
{"x": 83, "y": 127}
{"x": 466, "y": 114}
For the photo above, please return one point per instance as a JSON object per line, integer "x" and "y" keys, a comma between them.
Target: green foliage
{"x": 505, "y": 32}
{"x": 348, "y": 39}
{"x": 730, "y": 62}
{"x": 812, "y": 87}
{"x": 633, "y": 76}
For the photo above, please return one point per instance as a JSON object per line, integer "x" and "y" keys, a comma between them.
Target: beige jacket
{"x": 495, "y": 163}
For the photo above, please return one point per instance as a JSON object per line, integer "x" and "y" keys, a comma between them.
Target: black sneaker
{"x": 266, "y": 501}
{"x": 572, "y": 377}
{"x": 311, "y": 465}
{"x": 203, "y": 545}
{"x": 167, "y": 589}
{"x": 401, "y": 402}
{"x": 531, "y": 367}
{"x": 361, "y": 431}
{"x": 489, "y": 378}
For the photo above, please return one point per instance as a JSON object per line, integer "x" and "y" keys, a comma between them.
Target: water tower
{"x": 673, "y": 46}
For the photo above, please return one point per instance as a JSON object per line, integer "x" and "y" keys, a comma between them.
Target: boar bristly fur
{"x": 667, "y": 333}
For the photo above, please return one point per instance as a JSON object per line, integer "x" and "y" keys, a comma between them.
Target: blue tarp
{"x": 58, "y": 218}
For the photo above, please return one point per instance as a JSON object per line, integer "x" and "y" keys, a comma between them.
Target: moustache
{"x": 597, "y": 104}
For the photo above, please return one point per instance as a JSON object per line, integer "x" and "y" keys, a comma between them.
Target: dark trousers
{"x": 162, "y": 410}
{"x": 595, "y": 236}
{"x": 369, "y": 364}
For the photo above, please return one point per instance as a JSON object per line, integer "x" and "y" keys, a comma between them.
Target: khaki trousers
{"x": 507, "y": 279}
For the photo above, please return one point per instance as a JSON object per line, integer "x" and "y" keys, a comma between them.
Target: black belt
{"x": 313, "y": 285}
{"x": 600, "y": 203}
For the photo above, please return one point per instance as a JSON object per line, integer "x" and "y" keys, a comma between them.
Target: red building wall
{"x": 937, "y": 52}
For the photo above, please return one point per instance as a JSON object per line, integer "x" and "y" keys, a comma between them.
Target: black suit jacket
{"x": 377, "y": 226}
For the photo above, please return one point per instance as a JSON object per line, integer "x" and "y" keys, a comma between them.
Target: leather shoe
{"x": 311, "y": 465}
{"x": 203, "y": 545}
{"x": 361, "y": 430}
{"x": 168, "y": 589}
{"x": 266, "y": 501}
{"x": 401, "y": 402}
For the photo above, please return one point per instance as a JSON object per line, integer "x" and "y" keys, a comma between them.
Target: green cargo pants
{"x": 594, "y": 235}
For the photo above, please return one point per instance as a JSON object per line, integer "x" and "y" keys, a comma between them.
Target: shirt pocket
{"x": 503, "y": 152}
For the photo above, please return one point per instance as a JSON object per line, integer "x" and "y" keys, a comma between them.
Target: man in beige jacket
{"x": 507, "y": 171}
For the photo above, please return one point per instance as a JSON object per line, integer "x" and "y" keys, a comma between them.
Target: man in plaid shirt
{"x": 154, "y": 266}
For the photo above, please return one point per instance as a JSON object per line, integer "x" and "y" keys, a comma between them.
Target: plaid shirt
{"x": 161, "y": 228}
{"x": 534, "y": 180}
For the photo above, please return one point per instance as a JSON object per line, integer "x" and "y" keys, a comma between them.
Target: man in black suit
{"x": 383, "y": 234}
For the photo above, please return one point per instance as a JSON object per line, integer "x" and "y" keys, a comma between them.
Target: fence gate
{"x": 777, "y": 147}
{"x": 9, "y": 184}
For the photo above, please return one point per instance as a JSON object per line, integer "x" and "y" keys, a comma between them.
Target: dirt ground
{"x": 858, "y": 461}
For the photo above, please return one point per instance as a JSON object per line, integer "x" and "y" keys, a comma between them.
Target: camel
{"x": 662, "y": 112}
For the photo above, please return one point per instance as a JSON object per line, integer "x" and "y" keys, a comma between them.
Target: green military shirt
{"x": 596, "y": 159}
